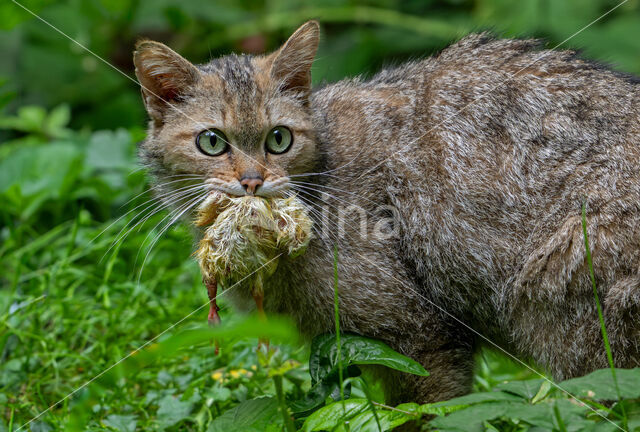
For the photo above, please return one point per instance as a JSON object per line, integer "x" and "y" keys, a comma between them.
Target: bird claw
{"x": 258, "y": 297}
{"x": 213, "y": 317}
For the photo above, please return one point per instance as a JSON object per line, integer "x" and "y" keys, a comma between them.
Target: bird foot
{"x": 258, "y": 297}
{"x": 213, "y": 317}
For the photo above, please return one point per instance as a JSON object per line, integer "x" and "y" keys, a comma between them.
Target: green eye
{"x": 279, "y": 140}
{"x": 212, "y": 142}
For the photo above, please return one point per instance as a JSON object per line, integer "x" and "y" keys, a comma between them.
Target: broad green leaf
{"x": 218, "y": 393}
{"x": 476, "y": 398}
{"x": 328, "y": 417}
{"x": 471, "y": 419}
{"x": 542, "y": 415}
{"x": 172, "y": 410}
{"x": 357, "y": 350}
{"x": 525, "y": 388}
{"x": 389, "y": 419}
{"x": 109, "y": 150}
{"x": 29, "y": 119}
{"x": 122, "y": 423}
{"x": 599, "y": 385}
{"x": 316, "y": 396}
{"x": 40, "y": 426}
{"x": 255, "y": 415}
{"x": 542, "y": 393}
{"x": 32, "y": 176}
{"x": 463, "y": 402}
{"x": 55, "y": 122}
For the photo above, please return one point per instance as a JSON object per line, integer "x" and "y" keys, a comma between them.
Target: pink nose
{"x": 250, "y": 184}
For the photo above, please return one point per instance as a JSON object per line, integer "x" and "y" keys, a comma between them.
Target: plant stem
{"x": 336, "y": 309}
{"x": 556, "y": 412}
{"x": 603, "y": 328}
{"x": 370, "y": 402}
{"x": 288, "y": 423}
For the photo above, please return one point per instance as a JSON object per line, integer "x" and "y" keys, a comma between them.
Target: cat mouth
{"x": 269, "y": 189}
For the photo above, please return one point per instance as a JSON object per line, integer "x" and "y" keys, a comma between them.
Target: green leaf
{"x": 328, "y": 417}
{"x": 357, "y": 350}
{"x": 218, "y": 393}
{"x": 389, "y": 419}
{"x": 317, "y": 395}
{"x": 544, "y": 390}
{"x": 109, "y": 150}
{"x": 471, "y": 419}
{"x": 40, "y": 426}
{"x": 55, "y": 122}
{"x": 599, "y": 385}
{"x": 525, "y": 388}
{"x": 39, "y": 174}
{"x": 122, "y": 423}
{"x": 255, "y": 415}
{"x": 477, "y": 398}
{"x": 31, "y": 118}
{"x": 542, "y": 414}
{"x": 172, "y": 410}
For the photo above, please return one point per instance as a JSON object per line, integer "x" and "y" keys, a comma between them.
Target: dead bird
{"x": 243, "y": 239}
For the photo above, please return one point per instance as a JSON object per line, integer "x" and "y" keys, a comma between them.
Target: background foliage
{"x": 71, "y": 305}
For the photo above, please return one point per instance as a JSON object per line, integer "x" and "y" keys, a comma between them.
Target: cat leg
{"x": 622, "y": 318}
{"x": 450, "y": 375}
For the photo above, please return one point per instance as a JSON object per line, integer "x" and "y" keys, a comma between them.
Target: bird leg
{"x": 213, "y": 318}
{"x": 258, "y": 296}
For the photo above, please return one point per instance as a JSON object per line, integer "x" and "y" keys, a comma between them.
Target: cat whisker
{"x": 151, "y": 211}
{"x": 313, "y": 174}
{"x": 169, "y": 216}
{"x": 344, "y": 221}
{"x": 174, "y": 200}
{"x": 314, "y": 212}
{"x": 299, "y": 187}
{"x": 320, "y": 186}
{"x": 128, "y": 212}
{"x": 191, "y": 205}
{"x": 323, "y": 219}
{"x": 160, "y": 186}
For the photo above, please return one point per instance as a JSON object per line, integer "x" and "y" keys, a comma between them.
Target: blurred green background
{"x": 42, "y": 67}
{"x": 75, "y": 296}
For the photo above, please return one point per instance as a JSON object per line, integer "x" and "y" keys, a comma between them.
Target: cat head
{"x": 239, "y": 124}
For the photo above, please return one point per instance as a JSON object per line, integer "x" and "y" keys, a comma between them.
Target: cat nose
{"x": 250, "y": 184}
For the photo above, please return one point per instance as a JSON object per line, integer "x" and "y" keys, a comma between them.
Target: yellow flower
{"x": 217, "y": 376}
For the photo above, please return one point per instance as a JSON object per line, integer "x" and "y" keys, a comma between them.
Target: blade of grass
{"x": 556, "y": 413}
{"x": 277, "y": 381}
{"x": 603, "y": 328}
{"x": 336, "y": 309}
{"x": 367, "y": 394}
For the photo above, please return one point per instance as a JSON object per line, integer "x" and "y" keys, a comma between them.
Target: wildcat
{"x": 485, "y": 152}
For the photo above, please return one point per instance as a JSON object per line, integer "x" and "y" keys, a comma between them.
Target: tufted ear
{"x": 163, "y": 74}
{"x": 291, "y": 66}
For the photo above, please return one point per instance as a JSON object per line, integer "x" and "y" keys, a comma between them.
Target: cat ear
{"x": 291, "y": 66}
{"x": 163, "y": 74}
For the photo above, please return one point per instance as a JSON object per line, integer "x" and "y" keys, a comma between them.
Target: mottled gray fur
{"x": 487, "y": 151}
